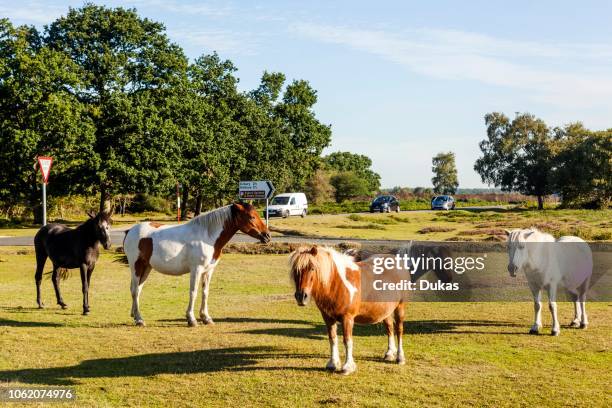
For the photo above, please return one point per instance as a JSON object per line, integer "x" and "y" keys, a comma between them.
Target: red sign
{"x": 44, "y": 163}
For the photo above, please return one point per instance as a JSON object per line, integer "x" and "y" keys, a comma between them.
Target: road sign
{"x": 45, "y": 164}
{"x": 255, "y": 190}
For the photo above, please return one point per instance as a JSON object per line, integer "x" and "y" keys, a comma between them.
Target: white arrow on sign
{"x": 45, "y": 164}
{"x": 255, "y": 190}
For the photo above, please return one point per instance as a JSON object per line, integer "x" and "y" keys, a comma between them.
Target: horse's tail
{"x": 62, "y": 273}
{"x": 121, "y": 257}
{"x": 125, "y": 236}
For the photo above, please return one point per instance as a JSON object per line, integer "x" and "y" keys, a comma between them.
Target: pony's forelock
{"x": 302, "y": 259}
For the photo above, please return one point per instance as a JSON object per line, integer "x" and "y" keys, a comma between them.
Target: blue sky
{"x": 402, "y": 81}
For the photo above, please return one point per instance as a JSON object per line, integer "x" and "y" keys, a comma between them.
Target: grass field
{"x": 265, "y": 350}
{"x": 457, "y": 225}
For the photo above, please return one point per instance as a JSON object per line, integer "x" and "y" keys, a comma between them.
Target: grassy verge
{"x": 264, "y": 350}
{"x": 455, "y": 225}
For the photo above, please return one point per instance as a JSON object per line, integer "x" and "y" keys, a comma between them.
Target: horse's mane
{"x": 535, "y": 235}
{"x": 326, "y": 257}
{"x": 213, "y": 220}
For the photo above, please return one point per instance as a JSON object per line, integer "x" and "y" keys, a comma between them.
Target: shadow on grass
{"x": 144, "y": 365}
{"x": 312, "y": 330}
{"x": 16, "y": 323}
{"x": 318, "y": 330}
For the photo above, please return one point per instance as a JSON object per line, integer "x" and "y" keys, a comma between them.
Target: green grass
{"x": 478, "y": 225}
{"x": 264, "y": 350}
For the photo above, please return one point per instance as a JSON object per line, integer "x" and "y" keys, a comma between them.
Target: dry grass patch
{"x": 435, "y": 228}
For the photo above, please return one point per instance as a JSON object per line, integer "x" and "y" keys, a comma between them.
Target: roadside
{"x": 477, "y": 224}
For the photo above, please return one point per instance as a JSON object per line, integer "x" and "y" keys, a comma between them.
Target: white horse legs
{"x": 347, "y": 332}
{"x": 537, "y": 309}
{"x": 194, "y": 281}
{"x": 136, "y": 289}
{"x": 552, "y": 305}
{"x": 580, "y": 315}
{"x": 334, "y": 360}
{"x": 206, "y": 319}
{"x": 577, "y": 314}
{"x": 584, "y": 320}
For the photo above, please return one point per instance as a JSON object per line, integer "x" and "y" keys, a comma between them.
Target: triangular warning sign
{"x": 45, "y": 167}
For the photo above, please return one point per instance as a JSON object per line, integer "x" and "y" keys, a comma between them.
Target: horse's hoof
{"x": 85, "y": 312}
{"x": 389, "y": 357}
{"x": 574, "y": 324}
{"x": 192, "y": 323}
{"x": 140, "y": 323}
{"x": 332, "y": 365}
{"x": 348, "y": 369}
{"x": 208, "y": 320}
{"x": 401, "y": 360}
{"x": 584, "y": 326}
{"x": 63, "y": 305}
{"x": 534, "y": 331}
{"x": 554, "y": 333}
{"x": 41, "y": 306}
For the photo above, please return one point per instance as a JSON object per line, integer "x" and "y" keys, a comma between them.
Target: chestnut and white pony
{"x": 548, "y": 263}
{"x": 333, "y": 280}
{"x": 193, "y": 247}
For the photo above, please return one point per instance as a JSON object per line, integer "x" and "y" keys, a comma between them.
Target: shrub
{"x": 151, "y": 203}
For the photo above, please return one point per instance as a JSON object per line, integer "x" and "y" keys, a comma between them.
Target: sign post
{"x": 45, "y": 163}
{"x": 178, "y": 202}
{"x": 256, "y": 190}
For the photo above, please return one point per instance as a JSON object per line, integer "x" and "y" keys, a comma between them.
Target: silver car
{"x": 443, "y": 202}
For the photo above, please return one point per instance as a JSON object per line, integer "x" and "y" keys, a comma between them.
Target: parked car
{"x": 443, "y": 202}
{"x": 385, "y": 203}
{"x": 284, "y": 205}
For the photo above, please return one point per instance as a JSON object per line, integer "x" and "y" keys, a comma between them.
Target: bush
{"x": 149, "y": 203}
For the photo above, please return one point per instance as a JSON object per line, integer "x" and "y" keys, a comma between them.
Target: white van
{"x": 284, "y": 205}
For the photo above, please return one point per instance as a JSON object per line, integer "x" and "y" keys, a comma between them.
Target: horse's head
{"x": 309, "y": 267}
{"x": 248, "y": 221}
{"x": 102, "y": 223}
{"x": 517, "y": 249}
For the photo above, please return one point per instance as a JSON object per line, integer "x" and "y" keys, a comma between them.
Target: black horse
{"x": 71, "y": 248}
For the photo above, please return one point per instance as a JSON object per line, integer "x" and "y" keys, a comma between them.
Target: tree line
{"x": 527, "y": 156}
{"x": 122, "y": 110}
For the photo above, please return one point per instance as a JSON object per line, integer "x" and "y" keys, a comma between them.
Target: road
{"x": 117, "y": 234}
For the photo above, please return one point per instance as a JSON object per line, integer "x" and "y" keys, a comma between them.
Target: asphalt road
{"x": 117, "y": 234}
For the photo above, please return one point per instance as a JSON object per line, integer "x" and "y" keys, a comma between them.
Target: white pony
{"x": 193, "y": 247}
{"x": 548, "y": 263}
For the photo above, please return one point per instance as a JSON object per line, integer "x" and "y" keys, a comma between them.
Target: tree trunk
{"x": 540, "y": 202}
{"x": 184, "y": 199}
{"x": 105, "y": 202}
{"x": 198, "y": 205}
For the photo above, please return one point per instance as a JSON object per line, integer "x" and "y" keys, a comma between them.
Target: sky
{"x": 401, "y": 81}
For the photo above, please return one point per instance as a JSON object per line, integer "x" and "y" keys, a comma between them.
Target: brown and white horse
{"x": 333, "y": 280}
{"x": 193, "y": 247}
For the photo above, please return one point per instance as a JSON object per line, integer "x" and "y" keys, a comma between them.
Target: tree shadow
{"x": 190, "y": 362}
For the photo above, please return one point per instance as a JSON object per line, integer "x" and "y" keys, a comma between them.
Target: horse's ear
{"x": 528, "y": 234}
{"x": 507, "y": 232}
{"x": 91, "y": 214}
{"x": 239, "y": 205}
{"x": 314, "y": 250}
